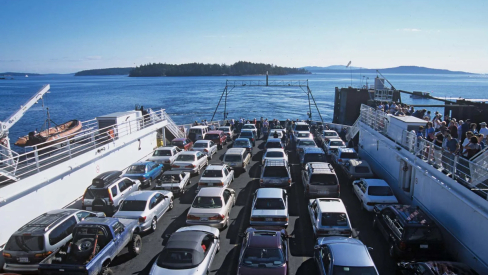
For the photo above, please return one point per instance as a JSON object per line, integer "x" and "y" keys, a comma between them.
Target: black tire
{"x": 154, "y": 224}
{"x": 149, "y": 182}
{"x": 135, "y": 245}
{"x": 106, "y": 271}
{"x": 171, "y": 204}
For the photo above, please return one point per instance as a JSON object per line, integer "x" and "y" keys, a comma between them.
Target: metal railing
{"x": 353, "y": 130}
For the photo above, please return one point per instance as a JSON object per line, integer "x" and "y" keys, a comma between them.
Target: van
{"x": 237, "y": 158}
{"x": 275, "y": 173}
{"x": 197, "y": 132}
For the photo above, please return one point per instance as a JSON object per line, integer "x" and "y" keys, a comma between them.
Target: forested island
{"x": 200, "y": 69}
{"x": 109, "y": 71}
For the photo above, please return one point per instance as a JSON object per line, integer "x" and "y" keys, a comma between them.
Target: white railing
{"x": 174, "y": 129}
{"x": 353, "y": 130}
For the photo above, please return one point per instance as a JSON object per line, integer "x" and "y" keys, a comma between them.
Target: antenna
{"x": 350, "y": 69}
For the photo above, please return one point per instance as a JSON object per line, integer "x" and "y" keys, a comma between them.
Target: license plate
{"x": 275, "y": 181}
{"x": 424, "y": 246}
{"x": 88, "y": 208}
{"x": 23, "y": 260}
{"x": 334, "y": 232}
{"x": 324, "y": 192}
{"x": 232, "y": 164}
{"x": 269, "y": 219}
{"x": 204, "y": 219}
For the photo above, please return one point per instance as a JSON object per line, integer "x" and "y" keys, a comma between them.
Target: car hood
{"x": 268, "y": 212}
{"x": 243, "y": 270}
{"x": 205, "y": 212}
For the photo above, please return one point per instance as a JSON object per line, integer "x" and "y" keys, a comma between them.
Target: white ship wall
{"x": 462, "y": 213}
{"x": 60, "y": 185}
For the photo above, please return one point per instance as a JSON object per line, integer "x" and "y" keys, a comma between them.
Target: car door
{"x": 231, "y": 173}
{"x": 311, "y": 211}
{"x": 386, "y": 218}
{"x": 119, "y": 237}
{"x": 357, "y": 188}
{"x": 227, "y": 196}
{"x": 161, "y": 204}
{"x": 226, "y": 179}
{"x": 123, "y": 188}
{"x": 324, "y": 262}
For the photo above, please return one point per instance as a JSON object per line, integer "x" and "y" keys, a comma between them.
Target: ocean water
{"x": 188, "y": 99}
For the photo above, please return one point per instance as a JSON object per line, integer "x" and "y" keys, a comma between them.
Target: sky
{"x": 68, "y": 36}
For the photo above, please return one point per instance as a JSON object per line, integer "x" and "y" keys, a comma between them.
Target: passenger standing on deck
{"x": 439, "y": 140}
{"x": 484, "y": 130}
{"x": 473, "y": 128}
{"x": 452, "y": 149}
{"x": 465, "y": 128}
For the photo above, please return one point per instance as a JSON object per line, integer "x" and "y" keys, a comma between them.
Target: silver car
{"x": 208, "y": 147}
{"x": 216, "y": 175}
{"x": 191, "y": 161}
{"x": 190, "y": 250}
{"x": 329, "y": 217}
{"x": 331, "y": 145}
{"x": 227, "y": 131}
{"x": 304, "y": 142}
{"x": 270, "y": 207}
{"x": 174, "y": 181}
{"x": 212, "y": 207}
{"x": 147, "y": 207}
{"x": 165, "y": 155}
{"x": 274, "y": 154}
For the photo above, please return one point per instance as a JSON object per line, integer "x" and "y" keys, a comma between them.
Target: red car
{"x": 218, "y": 137}
{"x": 182, "y": 143}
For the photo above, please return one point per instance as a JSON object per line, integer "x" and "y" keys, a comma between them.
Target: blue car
{"x": 146, "y": 172}
{"x": 243, "y": 143}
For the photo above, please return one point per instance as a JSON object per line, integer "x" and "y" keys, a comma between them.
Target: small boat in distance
{"x": 51, "y": 135}
{"x": 415, "y": 95}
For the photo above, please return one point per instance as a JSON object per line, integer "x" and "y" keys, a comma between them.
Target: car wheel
{"x": 154, "y": 224}
{"x": 171, "y": 204}
{"x": 106, "y": 271}
{"x": 149, "y": 182}
{"x": 135, "y": 245}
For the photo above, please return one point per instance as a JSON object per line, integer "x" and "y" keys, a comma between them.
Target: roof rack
{"x": 56, "y": 217}
{"x": 321, "y": 166}
{"x": 280, "y": 162}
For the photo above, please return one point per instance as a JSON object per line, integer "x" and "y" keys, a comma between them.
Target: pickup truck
{"x": 174, "y": 181}
{"x": 218, "y": 137}
{"x": 96, "y": 242}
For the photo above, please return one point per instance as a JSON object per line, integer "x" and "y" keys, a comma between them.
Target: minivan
{"x": 237, "y": 158}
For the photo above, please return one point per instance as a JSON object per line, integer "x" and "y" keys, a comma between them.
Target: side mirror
{"x": 370, "y": 248}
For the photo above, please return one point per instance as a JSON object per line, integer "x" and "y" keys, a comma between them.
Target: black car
{"x": 409, "y": 231}
{"x": 434, "y": 268}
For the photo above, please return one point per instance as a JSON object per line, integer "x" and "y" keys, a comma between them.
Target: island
{"x": 395, "y": 70}
{"x": 200, "y": 69}
{"x": 108, "y": 71}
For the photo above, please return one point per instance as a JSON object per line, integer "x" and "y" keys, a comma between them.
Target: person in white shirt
{"x": 484, "y": 131}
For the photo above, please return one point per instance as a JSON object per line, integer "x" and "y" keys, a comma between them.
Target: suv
{"x": 107, "y": 191}
{"x": 312, "y": 154}
{"x": 301, "y": 126}
{"x": 329, "y": 218}
{"x": 197, "y": 132}
{"x": 320, "y": 180}
{"x": 342, "y": 155}
{"x": 165, "y": 155}
{"x": 228, "y": 131}
{"x": 275, "y": 173}
{"x": 249, "y": 135}
{"x": 218, "y": 137}
{"x": 273, "y": 143}
{"x": 409, "y": 231}
{"x": 237, "y": 158}
{"x": 216, "y": 175}
{"x": 40, "y": 237}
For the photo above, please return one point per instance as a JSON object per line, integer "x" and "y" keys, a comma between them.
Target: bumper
{"x": 175, "y": 190}
{"x": 278, "y": 185}
{"x": 215, "y": 224}
{"x": 22, "y": 268}
{"x": 279, "y": 224}
{"x": 191, "y": 170}
{"x": 145, "y": 226}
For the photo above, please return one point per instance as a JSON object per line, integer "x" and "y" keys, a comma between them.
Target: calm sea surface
{"x": 188, "y": 99}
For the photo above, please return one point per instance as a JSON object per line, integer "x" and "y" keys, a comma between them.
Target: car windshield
{"x": 336, "y": 143}
{"x": 175, "y": 259}
{"x": 423, "y": 234}
{"x": 25, "y": 243}
{"x": 334, "y": 219}
{"x": 133, "y": 205}
{"x": 248, "y": 127}
{"x": 196, "y": 131}
{"x": 136, "y": 169}
{"x": 320, "y": 157}
{"x": 361, "y": 169}
{"x": 302, "y": 128}
{"x": 177, "y": 143}
{"x": 354, "y": 270}
{"x": 275, "y": 172}
{"x": 211, "y": 136}
{"x": 185, "y": 158}
{"x": 274, "y": 154}
{"x": 269, "y": 203}
{"x": 273, "y": 144}
{"x": 323, "y": 179}
{"x": 96, "y": 193}
{"x": 212, "y": 173}
{"x": 380, "y": 191}
{"x": 241, "y": 143}
{"x": 233, "y": 158}
{"x": 330, "y": 134}
{"x": 199, "y": 145}
{"x": 349, "y": 155}
{"x": 246, "y": 134}
{"x": 306, "y": 143}
{"x": 162, "y": 153}
{"x": 263, "y": 257}
{"x": 207, "y": 202}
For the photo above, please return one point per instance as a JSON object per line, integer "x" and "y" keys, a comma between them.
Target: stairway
{"x": 172, "y": 128}
{"x": 353, "y": 130}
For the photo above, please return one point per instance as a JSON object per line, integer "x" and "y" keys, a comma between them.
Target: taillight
{"x": 110, "y": 198}
{"x": 218, "y": 184}
{"x": 6, "y": 255}
{"x": 346, "y": 232}
{"x": 217, "y": 218}
{"x": 205, "y": 150}
{"x": 255, "y": 219}
{"x": 142, "y": 219}
{"x": 261, "y": 181}
{"x": 175, "y": 166}
{"x": 202, "y": 184}
{"x": 43, "y": 255}
{"x": 280, "y": 219}
{"x": 190, "y": 166}
{"x": 370, "y": 203}
{"x": 402, "y": 246}
{"x": 191, "y": 217}
{"x": 339, "y": 160}
{"x": 289, "y": 180}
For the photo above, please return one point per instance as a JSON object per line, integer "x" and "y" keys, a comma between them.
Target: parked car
{"x": 147, "y": 207}
{"x": 264, "y": 251}
{"x": 329, "y": 134}
{"x": 329, "y": 217}
{"x": 237, "y": 158}
{"x": 165, "y": 155}
{"x": 357, "y": 169}
{"x": 249, "y": 135}
{"x": 243, "y": 143}
{"x": 174, "y": 181}
{"x": 228, "y": 131}
{"x": 251, "y": 127}
{"x": 212, "y": 207}
{"x": 191, "y": 161}
{"x": 95, "y": 243}
{"x": 197, "y": 132}
{"x": 183, "y": 143}
{"x": 434, "y": 268}
{"x": 300, "y": 126}
{"x": 409, "y": 231}
{"x": 304, "y": 143}
{"x": 341, "y": 155}
{"x": 371, "y": 192}
{"x": 216, "y": 175}
{"x": 107, "y": 191}
{"x": 320, "y": 180}
{"x": 269, "y": 207}
{"x": 146, "y": 172}
{"x": 331, "y": 145}
{"x": 333, "y": 255}
{"x": 274, "y": 154}
{"x": 312, "y": 154}
{"x": 207, "y": 147}
{"x": 218, "y": 137}
{"x": 302, "y": 134}
{"x": 274, "y": 143}
{"x": 275, "y": 173}
{"x": 37, "y": 239}
{"x": 279, "y": 133}
{"x": 190, "y": 250}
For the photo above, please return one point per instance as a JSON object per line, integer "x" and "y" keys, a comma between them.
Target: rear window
{"x": 315, "y": 158}
{"x": 361, "y": 169}
{"x": 96, "y": 193}
{"x": 269, "y": 203}
{"x": 323, "y": 179}
{"x": 248, "y": 127}
{"x": 336, "y": 143}
{"x": 233, "y": 158}
{"x": 185, "y": 158}
{"x": 423, "y": 234}
{"x": 195, "y": 131}
{"x": 306, "y": 143}
{"x": 212, "y": 173}
{"x": 380, "y": 191}
{"x": 207, "y": 202}
{"x": 199, "y": 145}
{"x": 211, "y": 136}
{"x": 175, "y": 259}
{"x": 274, "y": 154}
{"x": 241, "y": 143}
{"x": 349, "y": 155}
{"x": 130, "y": 205}
{"x": 162, "y": 153}
{"x": 330, "y": 134}
{"x": 273, "y": 145}
{"x": 303, "y": 134}
{"x": 302, "y": 128}
{"x": 246, "y": 134}
{"x": 177, "y": 143}
{"x": 275, "y": 172}
{"x": 137, "y": 169}
{"x": 334, "y": 219}
{"x": 25, "y": 243}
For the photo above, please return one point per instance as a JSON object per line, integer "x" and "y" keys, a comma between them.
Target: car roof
{"x": 215, "y": 132}
{"x": 142, "y": 163}
{"x": 215, "y": 167}
{"x": 321, "y": 167}
{"x": 269, "y": 193}
{"x": 346, "y": 150}
{"x": 376, "y": 182}
{"x": 199, "y": 127}
{"x": 330, "y": 131}
{"x": 264, "y": 238}
{"x": 331, "y": 205}
{"x": 247, "y": 131}
{"x": 210, "y": 191}
{"x": 206, "y": 141}
{"x": 235, "y": 150}
{"x": 358, "y": 162}
{"x": 250, "y": 124}
{"x": 166, "y": 147}
{"x": 313, "y": 150}
{"x": 275, "y": 150}
{"x": 189, "y": 152}
{"x": 141, "y": 195}
{"x": 44, "y": 222}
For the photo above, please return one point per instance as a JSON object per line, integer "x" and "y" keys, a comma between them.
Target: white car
{"x": 301, "y": 134}
{"x": 270, "y": 207}
{"x": 174, "y": 181}
{"x": 191, "y": 161}
{"x": 216, "y": 176}
{"x": 227, "y": 131}
{"x": 251, "y": 127}
{"x": 207, "y": 147}
{"x": 329, "y": 134}
{"x": 373, "y": 191}
{"x": 212, "y": 207}
{"x": 147, "y": 207}
{"x": 274, "y": 154}
{"x": 165, "y": 155}
{"x": 304, "y": 142}
{"x": 190, "y": 250}
{"x": 341, "y": 155}
{"x": 331, "y": 145}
